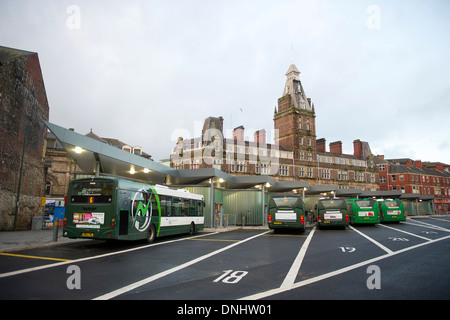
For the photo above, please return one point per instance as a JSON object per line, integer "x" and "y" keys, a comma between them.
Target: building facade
{"x": 297, "y": 154}
{"x": 416, "y": 177}
{"x": 23, "y": 107}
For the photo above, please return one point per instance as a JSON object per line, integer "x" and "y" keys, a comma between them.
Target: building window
{"x": 300, "y": 124}
{"x": 300, "y": 141}
{"x": 310, "y": 172}
{"x": 284, "y": 171}
{"x": 309, "y": 156}
{"x": 382, "y": 179}
{"x": 301, "y": 172}
{"x": 326, "y": 174}
{"x": 301, "y": 155}
{"x": 342, "y": 175}
{"x": 308, "y": 127}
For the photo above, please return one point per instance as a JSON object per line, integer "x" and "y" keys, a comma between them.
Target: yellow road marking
{"x": 31, "y": 257}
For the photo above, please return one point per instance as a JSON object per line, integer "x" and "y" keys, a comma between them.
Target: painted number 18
{"x": 231, "y": 277}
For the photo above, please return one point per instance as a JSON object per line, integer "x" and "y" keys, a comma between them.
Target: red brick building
{"x": 417, "y": 177}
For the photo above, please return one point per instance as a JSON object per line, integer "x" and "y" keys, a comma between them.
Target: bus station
{"x": 230, "y": 200}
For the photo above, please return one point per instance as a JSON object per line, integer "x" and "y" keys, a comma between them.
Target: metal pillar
{"x": 211, "y": 203}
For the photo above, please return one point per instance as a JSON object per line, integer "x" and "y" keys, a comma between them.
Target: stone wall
{"x": 23, "y": 107}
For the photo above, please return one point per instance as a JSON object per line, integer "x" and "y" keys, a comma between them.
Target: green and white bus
{"x": 332, "y": 213}
{"x": 392, "y": 210}
{"x": 115, "y": 208}
{"x": 286, "y": 212}
{"x": 363, "y": 211}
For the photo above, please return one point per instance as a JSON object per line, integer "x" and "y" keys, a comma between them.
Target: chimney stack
{"x": 418, "y": 164}
{"x": 357, "y": 148}
{"x": 260, "y": 137}
{"x": 238, "y": 134}
{"x": 321, "y": 145}
{"x": 336, "y": 147}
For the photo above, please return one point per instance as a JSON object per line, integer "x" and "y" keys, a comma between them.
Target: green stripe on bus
{"x": 159, "y": 209}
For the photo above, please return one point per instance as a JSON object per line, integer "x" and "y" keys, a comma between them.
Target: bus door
{"x": 143, "y": 206}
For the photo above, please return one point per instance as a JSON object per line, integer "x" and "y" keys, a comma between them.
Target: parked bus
{"x": 363, "y": 211}
{"x": 114, "y": 208}
{"x": 392, "y": 210}
{"x": 332, "y": 213}
{"x": 286, "y": 212}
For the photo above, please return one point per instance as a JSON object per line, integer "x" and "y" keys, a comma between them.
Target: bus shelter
{"x": 241, "y": 198}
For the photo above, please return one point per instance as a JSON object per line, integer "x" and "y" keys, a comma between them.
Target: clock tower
{"x": 294, "y": 120}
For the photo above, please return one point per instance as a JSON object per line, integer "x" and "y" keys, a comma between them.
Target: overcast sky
{"x": 146, "y": 72}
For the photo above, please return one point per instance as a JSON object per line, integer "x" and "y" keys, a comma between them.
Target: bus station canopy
{"x": 92, "y": 156}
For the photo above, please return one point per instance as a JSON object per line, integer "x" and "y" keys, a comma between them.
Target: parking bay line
{"x": 293, "y": 271}
{"x": 427, "y": 225}
{"x": 157, "y": 276}
{"x": 412, "y": 234}
{"x": 372, "y": 240}
{"x": 303, "y": 283}
{"x": 17, "y": 272}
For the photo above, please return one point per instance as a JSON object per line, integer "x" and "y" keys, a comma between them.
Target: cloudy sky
{"x": 146, "y": 72}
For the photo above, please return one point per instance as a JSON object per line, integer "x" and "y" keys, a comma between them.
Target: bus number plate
{"x": 87, "y": 234}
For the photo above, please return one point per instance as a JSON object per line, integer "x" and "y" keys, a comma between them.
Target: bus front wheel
{"x": 151, "y": 234}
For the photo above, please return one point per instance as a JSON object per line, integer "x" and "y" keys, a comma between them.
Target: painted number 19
{"x": 231, "y": 277}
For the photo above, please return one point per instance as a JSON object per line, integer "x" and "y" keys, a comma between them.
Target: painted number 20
{"x": 231, "y": 277}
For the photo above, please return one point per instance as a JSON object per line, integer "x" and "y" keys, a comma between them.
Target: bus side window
{"x": 162, "y": 203}
{"x": 169, "y": 206}
{"x": 191, "y": 208}
{"x": 199, "y": 208}
{"x": 176, "y": 207}
{"x": 184, "y": 207}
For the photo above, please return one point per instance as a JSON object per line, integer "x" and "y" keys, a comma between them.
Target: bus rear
{"x": 332, "y": 213}
{"x": 90, "y": 209}
{"x": 392, "y": 211}
{"x": 286, "y": 212}
{"x": 363, "y": 211}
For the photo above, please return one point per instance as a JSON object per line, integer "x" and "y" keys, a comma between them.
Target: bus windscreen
{"x": 365, "y": 203}
{"x": 285, "y": 202}
{"x": 392, "y": 203}
{"x": 332, "y": 204}
{"x": 98, "y": 191}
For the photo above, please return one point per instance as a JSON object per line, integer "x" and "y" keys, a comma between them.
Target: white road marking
{"x": 445, "y": 220}
{"x": 372, "y": 240}
{"x": 142, "y": 282}
{"x": 412, "y": 234}
{"x": 13, "y": 273}
{"x": 272, "y": 292}
{"x": 427, "y": 225}
{"x": 292, "y": 274}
